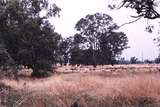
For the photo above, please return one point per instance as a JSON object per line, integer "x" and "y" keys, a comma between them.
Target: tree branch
{"x": 130, "y": 22}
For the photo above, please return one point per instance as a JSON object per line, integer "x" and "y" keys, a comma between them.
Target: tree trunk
{"x": 94, "y": 58}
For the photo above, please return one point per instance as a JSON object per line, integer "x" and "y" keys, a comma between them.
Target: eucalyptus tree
{"x": 27, "y": 34}
{"x": 98, "y": 32}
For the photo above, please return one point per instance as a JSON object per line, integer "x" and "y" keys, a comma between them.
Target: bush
{"x": 41, "y": 74}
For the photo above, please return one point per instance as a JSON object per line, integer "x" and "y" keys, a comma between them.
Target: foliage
{"x": 5, "y": 58}
{"x": 144, "y": 8}
{"x": 133, "y": 60}
{"x": 64, "y": 49}
{"x": 28, "y": 36}
{"x": 157, "y": 60}
{"x": 148, "y": 9}
{"x": 111, "y": 45}
{"x": 98, "y": 35}
{"x": 148, "y": 61}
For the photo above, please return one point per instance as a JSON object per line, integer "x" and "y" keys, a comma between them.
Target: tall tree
{"x": 95, "y": 28}
{"x": 28, "y": 36}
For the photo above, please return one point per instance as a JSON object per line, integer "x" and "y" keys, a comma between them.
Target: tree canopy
{"x": 97, "y": 40}
{"x": 27, "y": 35}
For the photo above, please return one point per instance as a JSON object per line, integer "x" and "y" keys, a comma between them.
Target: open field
{"x": 85, "y": 86}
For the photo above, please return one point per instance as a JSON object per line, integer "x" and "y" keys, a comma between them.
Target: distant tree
{"x": 157, "y": 60}
{"x": 28, "y": 36}
{"x": 122, "y": 60}
{"x": 133, "y": 60}
{"x": 99, "y": 33}
{"x": 147, "y": 61}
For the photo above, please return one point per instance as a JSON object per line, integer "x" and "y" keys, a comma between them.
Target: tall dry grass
{"x": 86, "y": 90}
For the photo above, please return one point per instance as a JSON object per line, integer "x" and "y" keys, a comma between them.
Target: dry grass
{"x": 94, "y": 89}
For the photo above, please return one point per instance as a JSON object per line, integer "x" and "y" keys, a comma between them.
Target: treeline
{"x": 27, "y": 38}
{"x": 134, "y": 60}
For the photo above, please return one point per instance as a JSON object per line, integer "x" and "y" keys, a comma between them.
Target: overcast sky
{"x": 141, "y": 42}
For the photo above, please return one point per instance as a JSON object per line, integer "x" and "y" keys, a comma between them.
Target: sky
{"x": 141, "y": 43}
